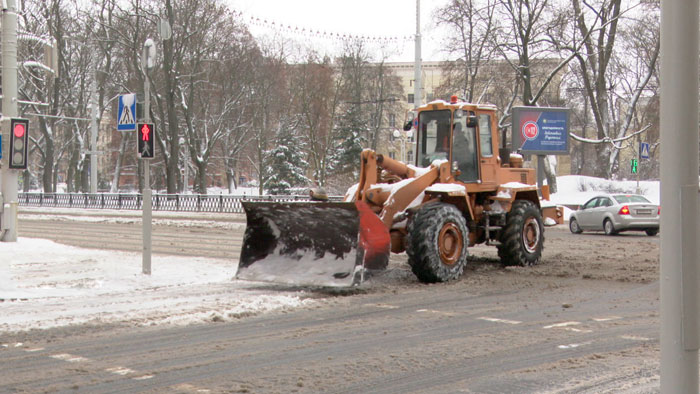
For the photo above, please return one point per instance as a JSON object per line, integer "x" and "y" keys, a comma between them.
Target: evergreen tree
{"x": 349, "y": 138}
{"x": 285, "y": 164}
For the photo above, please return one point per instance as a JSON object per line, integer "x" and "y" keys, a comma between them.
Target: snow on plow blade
{"x": 311, "y": 243}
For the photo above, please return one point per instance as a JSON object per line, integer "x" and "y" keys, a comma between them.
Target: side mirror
{"x": 472, "y": 121}
{"x": 408, "y": 125}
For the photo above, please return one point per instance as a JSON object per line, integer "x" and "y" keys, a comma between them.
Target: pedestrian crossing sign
{"x": 644, "y": 150}
{"x": 126, "y": 115}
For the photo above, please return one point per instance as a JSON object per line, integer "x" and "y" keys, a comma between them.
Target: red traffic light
{"x": 146, "y": 137}
{"x": 18, "y": 130}
{"x": 146, "y": 132}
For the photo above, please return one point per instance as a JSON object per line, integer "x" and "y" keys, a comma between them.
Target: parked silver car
{"x": 613, "y": 213}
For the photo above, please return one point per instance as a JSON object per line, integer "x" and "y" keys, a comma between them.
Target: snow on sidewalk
{"x": 44, "y": 284}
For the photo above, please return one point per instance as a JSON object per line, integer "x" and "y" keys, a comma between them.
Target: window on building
{"x": 392, "y": 120}
{"x": 409, "y": 156}
{"x": 392, "y": 155}
{"x": 410, "y": 98}
{"x": 430, "y": 97}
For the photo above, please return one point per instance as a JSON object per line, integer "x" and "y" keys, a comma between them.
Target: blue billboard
{"x": 541, "y": 130}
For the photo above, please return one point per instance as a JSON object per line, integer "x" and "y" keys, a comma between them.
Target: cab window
{"x": 464, "y": 149}
{"x": 485, "y": 135}
{"x": 434, "y": 136}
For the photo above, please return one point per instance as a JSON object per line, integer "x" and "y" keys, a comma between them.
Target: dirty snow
{"x": 44, "y": 284}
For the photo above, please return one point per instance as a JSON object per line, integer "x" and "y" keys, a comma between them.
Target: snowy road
{"x": 585, "y": 320}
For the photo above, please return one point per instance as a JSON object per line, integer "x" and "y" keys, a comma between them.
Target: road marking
{"x": 635, "y": 338}
{"x": 189, "y": 387}
{"x": 144, "y": 377}
{"x": 565, "y": 324}
{"x": 120, "y": 370}
{"x": 18, "y": 344}
{"x": 5, "y": 345}
{"x": 573, "y": 345}
{"x": 69, "y": 358}
{"x": 609, "y": 318}
{"x": 436, "y": 312}
{"x": 32, "y": 350}
{"x": 383, "y": 306}
{"x": 495, "y": 320}
{"x": 577, "y": 330}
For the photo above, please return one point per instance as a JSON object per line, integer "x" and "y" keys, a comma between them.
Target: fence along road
{"x": 161, "y": 202}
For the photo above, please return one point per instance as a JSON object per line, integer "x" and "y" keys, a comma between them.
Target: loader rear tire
{"x": 522, "y": 238}
{"x": 437, "y": 243}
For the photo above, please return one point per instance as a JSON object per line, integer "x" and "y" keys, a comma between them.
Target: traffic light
{"x": 19, "y": 142}
{"x": 146, "y": 133}
{"x": 635, "y": 165}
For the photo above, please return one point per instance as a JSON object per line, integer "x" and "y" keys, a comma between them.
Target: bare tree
{"x": 472, "y": 26}
{"x": 603, "y": 84}
{"x": 535, "y": 53}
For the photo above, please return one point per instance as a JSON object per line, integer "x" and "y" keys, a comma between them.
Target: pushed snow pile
{"x": 577, "y": 189}
{"x": 44, "y": 284}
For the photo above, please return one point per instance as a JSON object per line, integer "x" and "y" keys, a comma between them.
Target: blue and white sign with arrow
{"x": 126, "y": 115}
{"x": 644, "y": 150}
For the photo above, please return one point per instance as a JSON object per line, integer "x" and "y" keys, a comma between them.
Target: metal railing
{"x": 161, "y": 202}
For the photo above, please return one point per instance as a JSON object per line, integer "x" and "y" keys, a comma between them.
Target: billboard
{"x": 541, "y": 130}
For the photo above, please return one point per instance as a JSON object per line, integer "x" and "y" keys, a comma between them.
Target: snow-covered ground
{"x": 44, "y": 284}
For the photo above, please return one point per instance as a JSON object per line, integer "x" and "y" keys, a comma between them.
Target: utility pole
{"x": 679, "y": 196}
{"x": 93, "y": 131}
{"x": 8, "y": 176}
{"x": 417, "y": 92}
{"x": 147, "y": 62}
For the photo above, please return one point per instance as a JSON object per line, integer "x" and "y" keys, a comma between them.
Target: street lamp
{"x": 405, "y": 137}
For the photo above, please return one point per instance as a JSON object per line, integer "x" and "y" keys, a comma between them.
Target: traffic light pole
{"x": 9, "y": 108}
{"x": 679, "y": 196}
{"x": 639, "y": 160}
{"x": 147, "y": 199}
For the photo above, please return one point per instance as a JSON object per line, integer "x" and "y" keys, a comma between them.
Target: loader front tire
{"x": 437, "y": 243}
{"x": 522, "y": 238}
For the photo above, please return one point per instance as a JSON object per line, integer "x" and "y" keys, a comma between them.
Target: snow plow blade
{"x": 325, "y": 244}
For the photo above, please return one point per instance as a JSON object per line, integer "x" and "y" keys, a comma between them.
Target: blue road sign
{"x": 126, "y": 115}
{"x": 644, "y": 150}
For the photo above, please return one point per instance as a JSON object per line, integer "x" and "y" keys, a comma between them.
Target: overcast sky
{"x": 384, "y": 18}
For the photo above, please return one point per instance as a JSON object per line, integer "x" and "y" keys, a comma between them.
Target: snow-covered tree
{"x": 285, "y": 164}
{"x": 348, "y": 142}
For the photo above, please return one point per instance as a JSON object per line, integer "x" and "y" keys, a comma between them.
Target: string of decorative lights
{"x": 316, "y": 33}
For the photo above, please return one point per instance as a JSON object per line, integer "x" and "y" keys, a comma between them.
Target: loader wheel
{"x": 523, "y": 236}
{"x": 437, "y": 243}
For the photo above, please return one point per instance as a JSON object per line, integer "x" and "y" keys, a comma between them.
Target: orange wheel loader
{"x": 462, "y": 190}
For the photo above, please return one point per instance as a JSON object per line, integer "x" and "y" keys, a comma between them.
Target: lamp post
{"x": 405, "y": 137}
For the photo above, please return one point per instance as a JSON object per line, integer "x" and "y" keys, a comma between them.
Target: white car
{"x": 613, "y": 213}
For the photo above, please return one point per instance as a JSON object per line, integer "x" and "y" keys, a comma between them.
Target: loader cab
{"x": 464, "y": 146}
{"x": 445, "y": 131}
